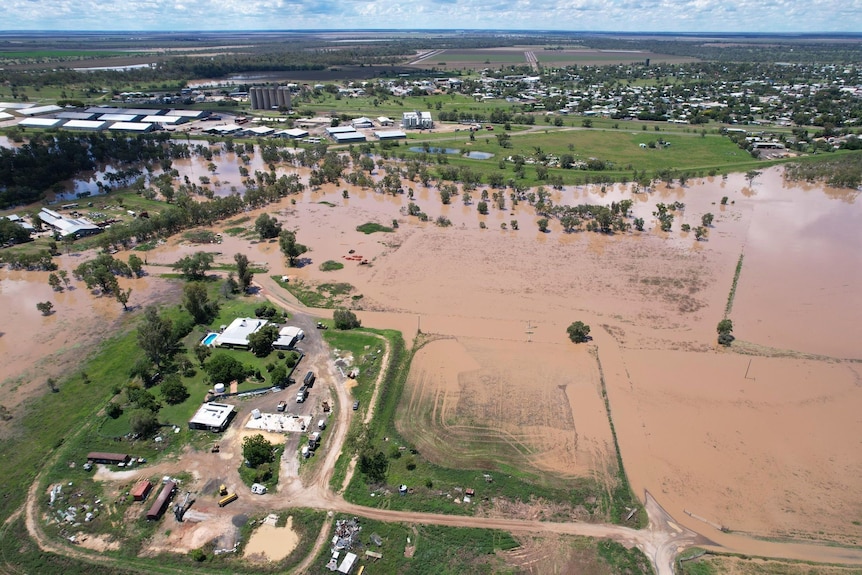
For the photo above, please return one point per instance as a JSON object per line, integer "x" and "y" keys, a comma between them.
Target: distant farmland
{"x": 479, "y": 58}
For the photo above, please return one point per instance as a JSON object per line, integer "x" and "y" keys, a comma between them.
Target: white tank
{"x": 219, "y": 388}
{"x": 255, "y": 413}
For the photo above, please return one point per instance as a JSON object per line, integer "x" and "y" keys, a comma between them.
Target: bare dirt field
{"x": 466, "y": 406}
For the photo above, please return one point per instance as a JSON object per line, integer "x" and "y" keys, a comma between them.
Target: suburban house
{"x": 236, "y": 334}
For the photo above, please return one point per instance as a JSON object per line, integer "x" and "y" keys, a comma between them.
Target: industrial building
{"x": 68, "y": 226}
{"x": 293, "y": 133}
{"x": 390, "y": 135}
{"x": 40, "y": 110}
{"x": 40, "y": 123}
{"x": 417, "y": 121}
{"x": 137, "y": 127}
{"x": 87, "y": 125}
{"x": 212, "y": 417}
{"x": 268, "y": 98}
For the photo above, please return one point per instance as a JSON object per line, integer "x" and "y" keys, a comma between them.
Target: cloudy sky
{"x": 607, "y": 15}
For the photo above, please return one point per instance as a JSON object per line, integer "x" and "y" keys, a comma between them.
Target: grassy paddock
{"x": 438, "y": 550}
{"x": 435, "y": 488}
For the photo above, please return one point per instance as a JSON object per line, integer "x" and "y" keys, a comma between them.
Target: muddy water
{"x": 271, "y": 542}
{"x": 693, "y": 430}
{"x": 801, "y": 282}
{"x": 35, "y": 347}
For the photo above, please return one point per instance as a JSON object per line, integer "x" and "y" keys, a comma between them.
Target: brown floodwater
{"x": 769, "y": 448}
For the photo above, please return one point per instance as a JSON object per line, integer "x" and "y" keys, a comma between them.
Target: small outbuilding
{"x": 141, "y": 490}
{"x": 108, "y": 458}
{"x": 161, "y": 501}
{"x": 212, "y": 417}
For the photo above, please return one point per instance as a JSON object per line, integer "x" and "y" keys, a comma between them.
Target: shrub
{"x": 345, "y": 319}
{"x": 113, "y": 410}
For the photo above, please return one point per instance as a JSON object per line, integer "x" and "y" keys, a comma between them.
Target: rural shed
{"x": 390, "y": 134}
{"x": 40, "y": 110}
{"x": 40, "y": 122}
{"x": 86, "y": 125}
{"x": 139, "y": 127}
{"x": 212, "y": 417}
{"x": 161, "y": 501}
{"x": 294, "y": 133}
{"x": 345, "y": 137}
{"x": 141, "y": 490}
{"x": 109, "y": 458}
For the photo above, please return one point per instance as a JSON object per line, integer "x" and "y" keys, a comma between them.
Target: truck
{"x": 282, "y": 405}
{"x": 227, "y": 499}
{"x": 302, "y": 394}
{"x": 314, "y": 440}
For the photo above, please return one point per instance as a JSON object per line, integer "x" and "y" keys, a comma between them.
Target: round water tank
{"x": 255, "y": 413}
{"x": 219, "y": 388}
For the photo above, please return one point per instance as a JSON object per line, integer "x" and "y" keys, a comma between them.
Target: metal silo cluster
{"x": 266, "y": 97}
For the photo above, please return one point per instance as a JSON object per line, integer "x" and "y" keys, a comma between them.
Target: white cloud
{"x": 622, "y": 15}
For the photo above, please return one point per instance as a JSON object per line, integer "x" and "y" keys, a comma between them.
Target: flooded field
{"x": 762, "y": 443}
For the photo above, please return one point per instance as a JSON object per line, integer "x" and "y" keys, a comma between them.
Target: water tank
{"x": 219, "y": 388}
{"x": 255, "y": 413}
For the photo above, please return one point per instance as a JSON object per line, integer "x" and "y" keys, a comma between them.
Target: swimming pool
{"x": 209, "y": 339}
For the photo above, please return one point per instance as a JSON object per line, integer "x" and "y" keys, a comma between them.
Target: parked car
{"x": 356, "y": 405}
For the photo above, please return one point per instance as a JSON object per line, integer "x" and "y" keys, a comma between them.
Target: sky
{"x": 574, "y": 15}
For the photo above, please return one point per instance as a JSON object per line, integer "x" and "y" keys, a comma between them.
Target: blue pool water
{"x": 210, "y": 338}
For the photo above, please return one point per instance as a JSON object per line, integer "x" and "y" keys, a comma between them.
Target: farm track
{"x": 660, "y": 541}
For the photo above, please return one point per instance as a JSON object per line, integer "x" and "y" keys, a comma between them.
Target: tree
{"x": 482, "y": 208}
{"x": 750, "y": 176}
{"x": 64, "y": 276}
{"x": 579, "y": 332}
{"x": 113, "y": 410}
{"x": 639, "y": 224}
{"x": 278, "y": 376}
{"x": 699, "y": 233}
{"x": 136, "y": 264}
{"x": 155, "y": 336}
{"x": 223, "y": 368}
{"x": 195, "y": 266}
{"x": 122, "y": 296}
{"x": 202, "y": 352}
{"x": 290, "y": 248}
{"x": 143, "y": 422}
{"x": 543, "y": 224}
{"x": 196, "y": 301}
{"x": 45, "y": 307}
{"x": 243, "y": 273}
{"x": 173, "y": 390}
{"x": 260, "y": 342}
{"x": 725, "y": 329}
{"x": 345, "y": 319}
{"x": 373, "y": 466}
{"x": 256, "y": 450}
{"x": 267, "y": 226}
{"x": 706, "y": 219}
